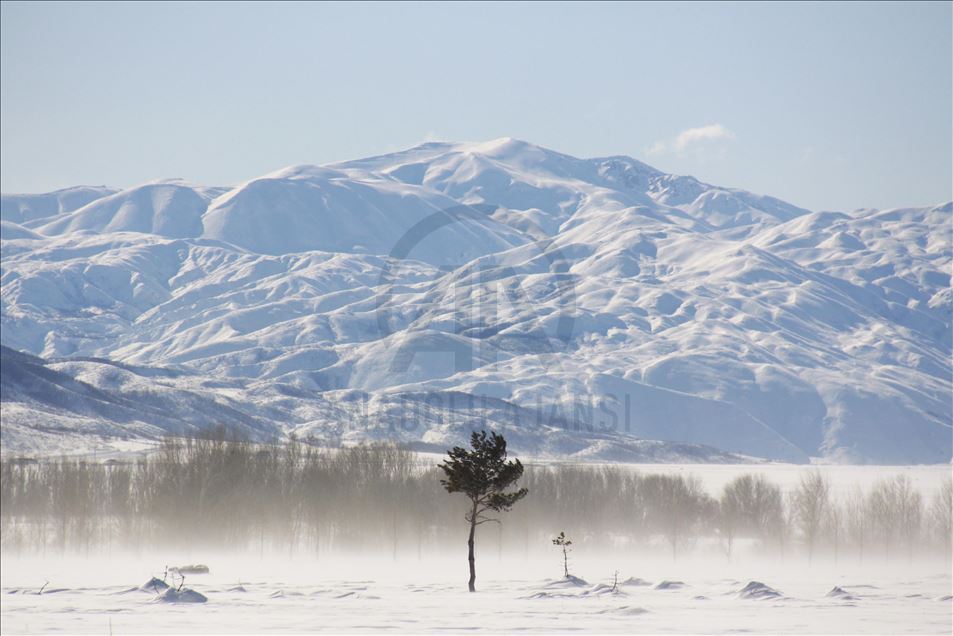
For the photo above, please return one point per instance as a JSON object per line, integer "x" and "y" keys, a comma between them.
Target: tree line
{"x": 227, "y": 493}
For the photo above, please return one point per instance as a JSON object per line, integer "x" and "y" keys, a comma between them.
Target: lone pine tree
{"x": 482, "y": 474}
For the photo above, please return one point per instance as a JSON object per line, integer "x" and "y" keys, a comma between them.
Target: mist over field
{"x": 222, "y": 493}
{"x": 290, "y": 538}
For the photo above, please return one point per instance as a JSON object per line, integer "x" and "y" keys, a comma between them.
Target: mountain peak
{"x": 503, "y": 146}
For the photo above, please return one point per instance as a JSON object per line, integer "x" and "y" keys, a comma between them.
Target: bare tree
{"x": 909, "y": 510}
{"x": 676, "y": 504}
{"x": 810, "y": 505}
{"x": 857, "y": 520}
{"x": 881, "y": 510}
{"x": 835, "y": 520}
{"x": 941, "y": 516}
{"x": 750, "y": 506}
{"x": 896, "y": 513}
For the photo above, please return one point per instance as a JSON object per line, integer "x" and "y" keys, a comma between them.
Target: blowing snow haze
{"x": 590, "y": 308}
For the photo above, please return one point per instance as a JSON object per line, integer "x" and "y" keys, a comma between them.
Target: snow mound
{"x": 669, "y": 585}
{"x": 838, "y": 592}
{"x": 154, "y": 585}
{"x": 356, "y": 596}
{"x": 636, "y": 582}
{"x": 604, "y": 589}
{"x": 759, "y": 591}
{"x": 625, "y": 610}
{"x": 567, "y": 587}
{"x": 38, "y": 592}
{"x": 568, "y": 582}
{"x": 185, "y": 595}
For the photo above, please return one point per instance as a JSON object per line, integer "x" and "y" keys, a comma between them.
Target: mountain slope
{"x": 307, "y": 208}
{"x": 90, "y": 404}
{"x": 59, "y": 407}
{"x": 166, "y": 208}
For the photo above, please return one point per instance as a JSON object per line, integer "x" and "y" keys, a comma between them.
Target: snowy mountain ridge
{"x": 583, "y": 305}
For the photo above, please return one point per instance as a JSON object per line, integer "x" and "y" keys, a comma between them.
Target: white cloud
{"x": 693, "y": 140}
{"x": 703, "y": 134}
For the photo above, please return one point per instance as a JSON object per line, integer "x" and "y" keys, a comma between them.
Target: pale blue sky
{"x": 829, "y": 106}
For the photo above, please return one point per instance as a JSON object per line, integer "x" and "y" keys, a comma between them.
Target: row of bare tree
{"x": 232, "y": 494}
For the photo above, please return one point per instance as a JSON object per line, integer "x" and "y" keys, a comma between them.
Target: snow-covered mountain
{"x": 582, "y": 305}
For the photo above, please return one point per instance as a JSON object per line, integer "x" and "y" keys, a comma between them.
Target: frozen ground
{"x": 295, "y": 595}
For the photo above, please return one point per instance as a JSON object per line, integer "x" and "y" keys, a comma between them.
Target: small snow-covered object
{"x": 841, "y": 593}
{"x": 758, "y": 590}
{"x": 191, "y": 569}
{"x": 603, "y": 589}
{"x": 154, "y": 585}
{"x": 567, "y": 582}
{"x": 632, "y": 611}
{"x": 670, "y": 585}
{"x": 185, "y": 595}
{"x": 40, "y": 591}
{"x": 636, "y": 582}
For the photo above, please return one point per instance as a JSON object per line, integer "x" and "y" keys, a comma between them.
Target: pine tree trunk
{"x": 470, "y": 556}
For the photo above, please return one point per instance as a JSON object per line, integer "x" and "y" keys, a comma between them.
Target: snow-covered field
{"x": 296, "y": 595}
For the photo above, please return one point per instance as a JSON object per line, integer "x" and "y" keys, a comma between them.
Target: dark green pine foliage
{"x": 483, "y": 474}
